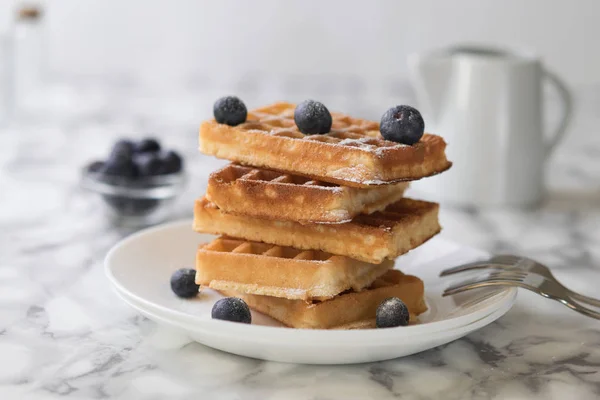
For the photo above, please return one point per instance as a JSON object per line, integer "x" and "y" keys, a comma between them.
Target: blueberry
{"x": 148, "y": 145}
{"x": 172, "y": 162}
{"x": 402, "y": 124}
{"x": 232, "y": 309}
{"x": 96, "y": 166}
{"x": 392, "y": 312}
{"x": 183, "y": 282}
{"x": 120, "y": 166}
{"x": 120, "y": 162}
{"x": 312, "y": 117}
{"x": 230, "y": 110}
{"x": 122, "y": 149}
{"x": 149, "y": 164}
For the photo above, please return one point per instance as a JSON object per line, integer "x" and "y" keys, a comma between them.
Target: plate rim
{"x": 347, "y": 352}
{"x": 507, "y": 295}
{"x": 188, "y": 327}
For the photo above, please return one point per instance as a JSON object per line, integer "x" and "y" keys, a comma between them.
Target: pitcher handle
{"x": 567, "y": 110}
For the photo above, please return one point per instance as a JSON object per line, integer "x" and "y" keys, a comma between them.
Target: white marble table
{"x": 64, "y": 334}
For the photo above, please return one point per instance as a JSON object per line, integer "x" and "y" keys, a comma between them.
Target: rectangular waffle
{"x": 352, "y": 154}
{"x": 265, "y": 269}
{"x": 351, "y": 310}
{"x": 401, "y": 227}
{"x": 275, "y": 195}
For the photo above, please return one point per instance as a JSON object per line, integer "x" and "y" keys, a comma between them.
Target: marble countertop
{"x": 64, "y": 333}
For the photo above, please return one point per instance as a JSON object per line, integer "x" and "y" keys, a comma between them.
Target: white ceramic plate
{"x": 140, "y": 267}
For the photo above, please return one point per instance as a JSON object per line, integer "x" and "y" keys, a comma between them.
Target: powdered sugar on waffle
{"x": 360, "y": 143}
{"x": 355, "y": 174}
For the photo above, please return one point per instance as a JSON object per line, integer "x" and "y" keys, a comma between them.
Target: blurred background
{"x": 159, "y": 42}
{"x": 351, "y": 51}
{"x": 77, "y": 75}
{"x": 88, "y": 72}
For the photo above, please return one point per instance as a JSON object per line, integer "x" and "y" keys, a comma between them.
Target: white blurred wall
{"x": 165, "y": 40}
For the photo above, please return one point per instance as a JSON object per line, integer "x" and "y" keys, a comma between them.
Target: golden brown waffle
{"x": 401, "y": 227}
{"x": 352, "y": 154}
{"x": 275, "y": 195}
{"x": 265, "y": 269}
{"x": 351, "y": 310}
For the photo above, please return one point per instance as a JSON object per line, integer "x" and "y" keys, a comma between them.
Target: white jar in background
{"x": 29, "y": 55}
{"x": 6, "y": 76}
{"x": 488, "y": 104}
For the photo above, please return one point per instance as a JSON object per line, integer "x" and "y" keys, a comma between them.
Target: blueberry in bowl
{"x": 147, "y": 145}
{"x": 137, "y": 181}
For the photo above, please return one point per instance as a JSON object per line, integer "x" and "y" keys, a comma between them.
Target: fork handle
{"x": 584, "y": 299}
{"x": 485, "y": 264}
{"x": 573, "y": 305}
{"x": 568, "y": 302}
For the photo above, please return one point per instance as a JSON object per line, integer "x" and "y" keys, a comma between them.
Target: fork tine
{"x": 479, "y": 284}
{"x": 505, "y": 275}
{"x": 502, "y": 261}
{"x": 506, "y": 259}
{"x": 508, "y": 273}
{"x": 466, "y": 267}
{"x": 485, "y": 264}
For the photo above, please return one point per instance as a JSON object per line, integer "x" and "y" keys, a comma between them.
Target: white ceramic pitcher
{"x": 488, "y": 105}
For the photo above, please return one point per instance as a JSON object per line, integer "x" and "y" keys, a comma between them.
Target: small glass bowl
{"x": 135, "y": 203}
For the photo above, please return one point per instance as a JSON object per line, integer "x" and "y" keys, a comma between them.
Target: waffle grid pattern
{"x": 229, "y": 245}
{"x": 388, "y": 218}
{"x": 402, "y": 226}
{"x": 232, "y": 173}
{"x": 278, "y": 120}
{"x": 352, "y": 154}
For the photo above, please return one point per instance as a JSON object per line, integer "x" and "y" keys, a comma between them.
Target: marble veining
{"x": 65, "y": 335}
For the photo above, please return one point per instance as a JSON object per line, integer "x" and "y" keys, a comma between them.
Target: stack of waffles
{"x": 311, "y": 224}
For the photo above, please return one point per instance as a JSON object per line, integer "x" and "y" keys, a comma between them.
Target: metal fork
{"x": 523, "y": 264}
{"x": 522, "y": 272}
